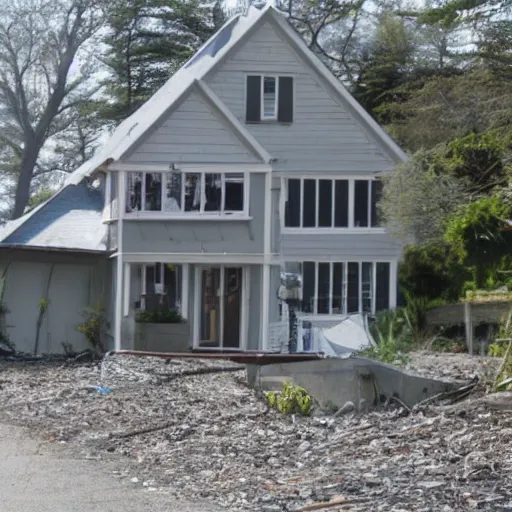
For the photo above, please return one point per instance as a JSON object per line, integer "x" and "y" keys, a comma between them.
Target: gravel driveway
{"x": 36, "y": 476}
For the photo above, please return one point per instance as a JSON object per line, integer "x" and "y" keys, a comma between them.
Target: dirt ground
{"x": 207, "y": 437}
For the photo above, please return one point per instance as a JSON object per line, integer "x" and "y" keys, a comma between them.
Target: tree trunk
{"x": 28, "y": 163}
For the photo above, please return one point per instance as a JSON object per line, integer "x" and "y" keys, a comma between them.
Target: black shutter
{"x": 253, "y": 99}
{"x": 285, "y": 107}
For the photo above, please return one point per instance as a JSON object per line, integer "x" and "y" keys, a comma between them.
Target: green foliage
{"x": 476, "y": 237}
{"x": 147, "y": 42}
{"x": 433, "y": 108}
{"x": 159, "y": 316}
{"x": 478, "y": 159}
{"x": 497, "y": 349}
{"x": 291, "y": 400}
{"x": 388, "y": 62}
{"x": 39, "y": 197}
{"x": 43, "y": 305}
{"x": 429, "y": 271}
{"x": 93, "y": 326}
{"x": 503, "y": 379}
{"x": 417, "y": 200}
{"x": 393, "y": 334}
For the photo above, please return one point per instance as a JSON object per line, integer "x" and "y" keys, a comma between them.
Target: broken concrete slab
{"x": 357, "y": 379}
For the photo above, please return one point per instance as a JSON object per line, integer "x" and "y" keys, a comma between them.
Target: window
{"x": 367, "y": 194}
{"x": 325, "y": 203}
{"x": 269, "y": 98}
{"x": 184, "y": 193}
{"x": 161, "y": 286}
{"x": 345, "y": 287}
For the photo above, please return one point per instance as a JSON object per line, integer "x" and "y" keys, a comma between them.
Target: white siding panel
{"x": 324, "y": 137}
{"x": 192, "y": 134}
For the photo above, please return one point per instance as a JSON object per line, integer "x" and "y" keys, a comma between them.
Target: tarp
{"x": 342, "y": 340}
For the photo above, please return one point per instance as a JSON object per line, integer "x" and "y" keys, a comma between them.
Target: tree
{"x": 476, "y": 236}
{"x": 147, "y": 42}
{"x": 434, "y": 109}
{"x": 430, "y": 271}
{"x": 335, "y": 30}
{"x": 39, "y": 44}
{"x": 418, "y": 199}
{"x": 389, "y": 61}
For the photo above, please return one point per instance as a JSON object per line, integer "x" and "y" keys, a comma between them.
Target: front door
{"x": 220, "y": 307}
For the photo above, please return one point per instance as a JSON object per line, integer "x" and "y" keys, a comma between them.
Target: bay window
{"x": 332, "y": 203}
{"x": 187, "y": 193}
{"x": 344, "y": 287}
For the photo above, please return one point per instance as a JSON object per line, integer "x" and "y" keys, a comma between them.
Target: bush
{"x": 92, "y": 328}
{"x": 291, "y": 400}
{"x": 392, "y": 332}
{"x": 429, "y": 271}
{"x": 476, "y": 237}
{"x": 159, "y": 316}
{"x": 477, "y": 159}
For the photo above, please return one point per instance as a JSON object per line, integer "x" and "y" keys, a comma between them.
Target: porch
{"x": 176, "y": 307}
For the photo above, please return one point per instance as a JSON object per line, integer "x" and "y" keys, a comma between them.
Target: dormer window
{"x": 269, "y": 98}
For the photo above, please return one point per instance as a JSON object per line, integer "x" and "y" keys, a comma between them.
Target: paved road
{"x": 35, "y": 476}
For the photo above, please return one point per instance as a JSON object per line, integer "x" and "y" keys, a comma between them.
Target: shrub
{"x": 392, "y": 332}
{"x": 476, "y": 237}
{"x": 159, "y": 316}
{"x": 478, "y": 159}
{"x": 291, "y": 400}
{"x": 429, "y": 270}
{"x": 93, "y": 326}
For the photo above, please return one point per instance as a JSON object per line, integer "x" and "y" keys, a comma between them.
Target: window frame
{"x": 274, "y": 116}
{"x": 201, "y": 213}
{"x": 344, "y": 286}
{"x": 350, "y": 205}
{"x": 178, "y": 306}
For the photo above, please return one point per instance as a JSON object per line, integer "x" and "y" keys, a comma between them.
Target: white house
{"x": 251, "y": 160}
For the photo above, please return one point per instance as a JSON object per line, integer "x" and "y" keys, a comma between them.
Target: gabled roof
{"x": 191, "y": 74}
{"x": 206, "y": 58}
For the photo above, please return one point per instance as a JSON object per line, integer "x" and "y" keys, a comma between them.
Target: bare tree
{"x": 41, "y": 81}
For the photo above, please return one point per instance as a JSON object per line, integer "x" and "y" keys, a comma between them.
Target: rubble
{"x": 207, "y": 436}
{"x": 446, "y": 365}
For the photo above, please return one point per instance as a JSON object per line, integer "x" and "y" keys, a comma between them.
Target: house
{"x": 251, "y": 160}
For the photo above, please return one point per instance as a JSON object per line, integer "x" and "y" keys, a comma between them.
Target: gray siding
{"x": 72, "y": 288}
{"x": 187, "y": 236}
{"x": 370, "y": 246}
{"x": 275, "y": 279}
{"x": 324, "y": 137}
{"x": 192, "y": 133}
{"x": 253, "y": 342}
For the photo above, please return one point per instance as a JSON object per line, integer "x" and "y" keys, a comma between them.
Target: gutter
{"x": 64, "y": 250}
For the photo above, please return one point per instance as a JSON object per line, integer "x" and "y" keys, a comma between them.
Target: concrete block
{"x": 356, "y": 379}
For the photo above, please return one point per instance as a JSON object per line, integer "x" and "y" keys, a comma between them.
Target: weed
{"x": 291, "y": 400}
{"x": 392, "y": 332}
{"x": 92, "y": 328}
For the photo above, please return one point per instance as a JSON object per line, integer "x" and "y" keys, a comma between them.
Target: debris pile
{"x": 446, "y": 365}
{"x": 196, "y": 429}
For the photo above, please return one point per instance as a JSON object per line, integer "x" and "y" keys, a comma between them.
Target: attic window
{"x": 269, "y": 98}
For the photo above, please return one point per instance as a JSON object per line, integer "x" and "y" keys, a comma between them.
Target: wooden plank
{"x": 468, "y": 323}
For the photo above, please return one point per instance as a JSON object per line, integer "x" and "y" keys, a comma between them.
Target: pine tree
{"x": 147, "y": 42}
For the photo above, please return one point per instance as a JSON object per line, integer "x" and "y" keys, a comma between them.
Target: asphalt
{"x": 46, "y": 478}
